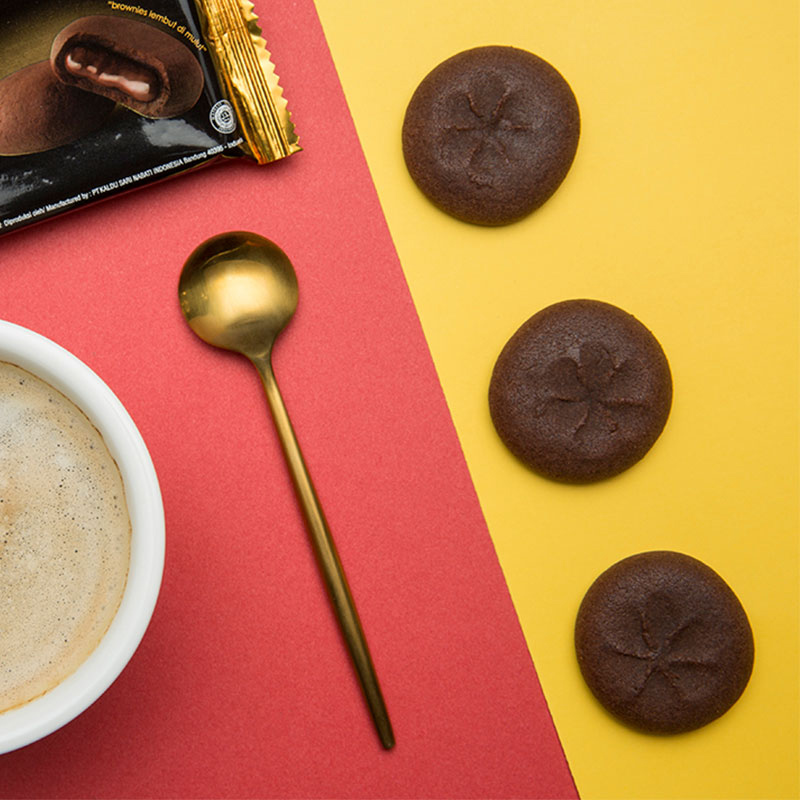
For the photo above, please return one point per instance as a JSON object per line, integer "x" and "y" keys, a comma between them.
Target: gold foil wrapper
{"x": 247, "y": 74}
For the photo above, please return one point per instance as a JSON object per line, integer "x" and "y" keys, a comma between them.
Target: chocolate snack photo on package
{"x": 98, "y": 97}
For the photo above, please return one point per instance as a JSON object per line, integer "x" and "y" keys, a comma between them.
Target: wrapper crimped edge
{"x": 238, "y": 49}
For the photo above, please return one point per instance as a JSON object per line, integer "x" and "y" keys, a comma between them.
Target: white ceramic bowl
{"x": 45, "y": 714}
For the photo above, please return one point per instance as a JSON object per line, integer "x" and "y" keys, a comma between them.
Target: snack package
{"x": 99, "y": 97}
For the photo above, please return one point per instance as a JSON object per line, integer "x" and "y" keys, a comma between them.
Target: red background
{"x": 242, "y": 686}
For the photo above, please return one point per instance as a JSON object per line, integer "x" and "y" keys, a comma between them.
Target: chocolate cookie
{"x": 663, "y": 642}
{"x": 38, "y": 112}
{"x": 490, "y": 134}
{"x": 130, "y": 62}
{"x": 581, "y": 391}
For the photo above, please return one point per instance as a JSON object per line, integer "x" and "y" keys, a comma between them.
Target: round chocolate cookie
{"x": 130, "y": 62}
{"x": 581, "y": 391}
{"x": 663, "y": 642}
{"x": 490, "y": 134}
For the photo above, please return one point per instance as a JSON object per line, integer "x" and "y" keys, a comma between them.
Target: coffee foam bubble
{"x": 64, "y": 537}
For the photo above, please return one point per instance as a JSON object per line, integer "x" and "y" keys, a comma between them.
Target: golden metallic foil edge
{"x": 245, "y": 69}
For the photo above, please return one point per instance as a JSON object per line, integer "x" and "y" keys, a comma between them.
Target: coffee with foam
{"x": 65, "y": 537}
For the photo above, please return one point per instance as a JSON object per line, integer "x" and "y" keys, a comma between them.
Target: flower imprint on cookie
{"x": 598, "y": 388}
{"x": 487, "y": 124}
{"x": 663, "y": 648}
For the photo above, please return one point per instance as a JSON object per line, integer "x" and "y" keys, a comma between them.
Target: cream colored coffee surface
{"x": 64, "y": 537}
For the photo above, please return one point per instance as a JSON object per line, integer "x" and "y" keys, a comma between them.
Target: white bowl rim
{"x": 45, "y": 714}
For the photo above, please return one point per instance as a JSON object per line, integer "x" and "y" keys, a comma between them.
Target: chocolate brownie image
{"x": 663, "y": 642}
{"x": 38, "y": 112}
{"x": 490, "y": 134}
{"x": 130, "y": 62}
{"x": 581, "y": 391}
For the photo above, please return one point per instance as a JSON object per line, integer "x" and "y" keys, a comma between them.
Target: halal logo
{"x": 222, "y": 117}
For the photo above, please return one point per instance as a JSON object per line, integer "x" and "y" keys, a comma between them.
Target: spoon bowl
{"x": 238, "y": 291}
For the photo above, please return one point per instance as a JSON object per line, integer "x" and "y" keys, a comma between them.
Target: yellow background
{"x": 681, "y": 208}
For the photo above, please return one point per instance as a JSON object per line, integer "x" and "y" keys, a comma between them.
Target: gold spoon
{"x": 237, "y": 291}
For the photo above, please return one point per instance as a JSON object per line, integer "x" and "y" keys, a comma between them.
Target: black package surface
{"x": 99, "y": 97}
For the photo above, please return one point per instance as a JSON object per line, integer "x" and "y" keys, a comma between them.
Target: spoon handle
{"x": 328, "y": 557}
